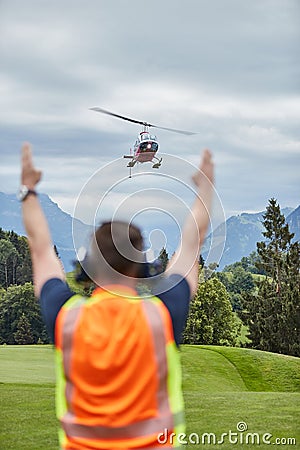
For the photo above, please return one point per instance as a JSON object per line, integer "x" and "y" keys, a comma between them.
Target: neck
{"x": 130, "y": 282}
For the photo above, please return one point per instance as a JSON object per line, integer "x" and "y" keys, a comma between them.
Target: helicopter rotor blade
{"x": 190, "y": 133}
{"x": 104, "y": 111}
{"x": 146, "y": 124}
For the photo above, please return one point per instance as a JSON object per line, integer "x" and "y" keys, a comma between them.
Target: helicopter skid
{"x": 158, "y": 164}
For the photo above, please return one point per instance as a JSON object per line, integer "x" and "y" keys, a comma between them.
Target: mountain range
{"x": 231, "y": 240}
{"x": 237, "y": 237}
{"x": 60, "y": 224}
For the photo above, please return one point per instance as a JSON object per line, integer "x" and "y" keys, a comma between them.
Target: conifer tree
{"x": 273, "y": 313}
{"x": 273, "y": 251}
{"x": 164, "y": 258}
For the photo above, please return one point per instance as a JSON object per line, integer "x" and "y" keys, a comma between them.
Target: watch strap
{"x": 30, "y": 191}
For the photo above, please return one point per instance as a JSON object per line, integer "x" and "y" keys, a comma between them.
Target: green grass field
{"x": 223, "y": 387}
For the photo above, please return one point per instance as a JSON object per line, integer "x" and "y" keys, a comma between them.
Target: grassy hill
{"x": 227, "y": 369}
{"x": 223, "y": 387}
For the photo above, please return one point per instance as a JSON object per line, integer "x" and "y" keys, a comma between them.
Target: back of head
{"x": 116, "y": 251}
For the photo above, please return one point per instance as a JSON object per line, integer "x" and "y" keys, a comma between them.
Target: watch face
{"x": 22, "y": 192}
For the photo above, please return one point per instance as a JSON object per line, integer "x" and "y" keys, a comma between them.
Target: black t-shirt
{"x": 173, "y": 291}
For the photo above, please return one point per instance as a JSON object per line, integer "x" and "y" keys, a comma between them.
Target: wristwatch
{"x": 24, "y": 192}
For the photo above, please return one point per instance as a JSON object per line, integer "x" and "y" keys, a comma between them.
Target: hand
{"x": 205, "y": 173}
{"x": 30, "y": 176}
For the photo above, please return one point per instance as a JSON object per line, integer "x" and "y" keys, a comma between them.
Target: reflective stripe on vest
{"x": 142, "y": 428}
{"x": 73, "y": 315}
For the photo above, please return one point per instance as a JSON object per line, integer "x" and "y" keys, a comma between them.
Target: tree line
{"x": 260, "y": 293}
{"x": 20, "y": 316}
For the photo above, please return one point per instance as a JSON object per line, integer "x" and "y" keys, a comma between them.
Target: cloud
{"x": 229, "y": 71}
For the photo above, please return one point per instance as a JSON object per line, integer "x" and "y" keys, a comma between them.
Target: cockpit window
{"x": 145, "y": 137}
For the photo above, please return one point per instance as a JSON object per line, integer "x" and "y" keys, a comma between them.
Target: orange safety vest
{"x": 118, "y": 373}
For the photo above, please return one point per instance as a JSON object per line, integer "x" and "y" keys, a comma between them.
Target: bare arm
{"x": 185, "y": 260}
{"x": 45, "y": 263}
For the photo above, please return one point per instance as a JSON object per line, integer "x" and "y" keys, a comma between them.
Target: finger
{"x": 206, "y": 160}
{"x": 205, "y": 167}
{"x": 26, "y": 148}
{"x": 26, "y": 154}
{"x": 207, "y": 155}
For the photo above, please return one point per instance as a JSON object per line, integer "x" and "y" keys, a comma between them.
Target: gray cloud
{"x": 229, "y": 70}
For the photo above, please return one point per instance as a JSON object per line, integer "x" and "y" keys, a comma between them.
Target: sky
{"x": 226, "y": 69}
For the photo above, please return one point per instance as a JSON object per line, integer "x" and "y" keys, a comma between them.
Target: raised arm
{"x": 185, "y": 261}
{"x": 45, "y": 263}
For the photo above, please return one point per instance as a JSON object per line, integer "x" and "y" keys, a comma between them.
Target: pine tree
{"x": 290, "y": 297}
{"x": 273, "y": 313}
{"x": 201, "y": 261}
{"x": 164, "y": 258}
{"x": 273, "y": 251}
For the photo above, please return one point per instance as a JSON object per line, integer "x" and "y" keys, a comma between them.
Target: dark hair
{"x": 121, "y": 245}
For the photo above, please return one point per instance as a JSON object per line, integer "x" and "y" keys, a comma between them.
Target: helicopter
{"x": 146, "y": 145}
